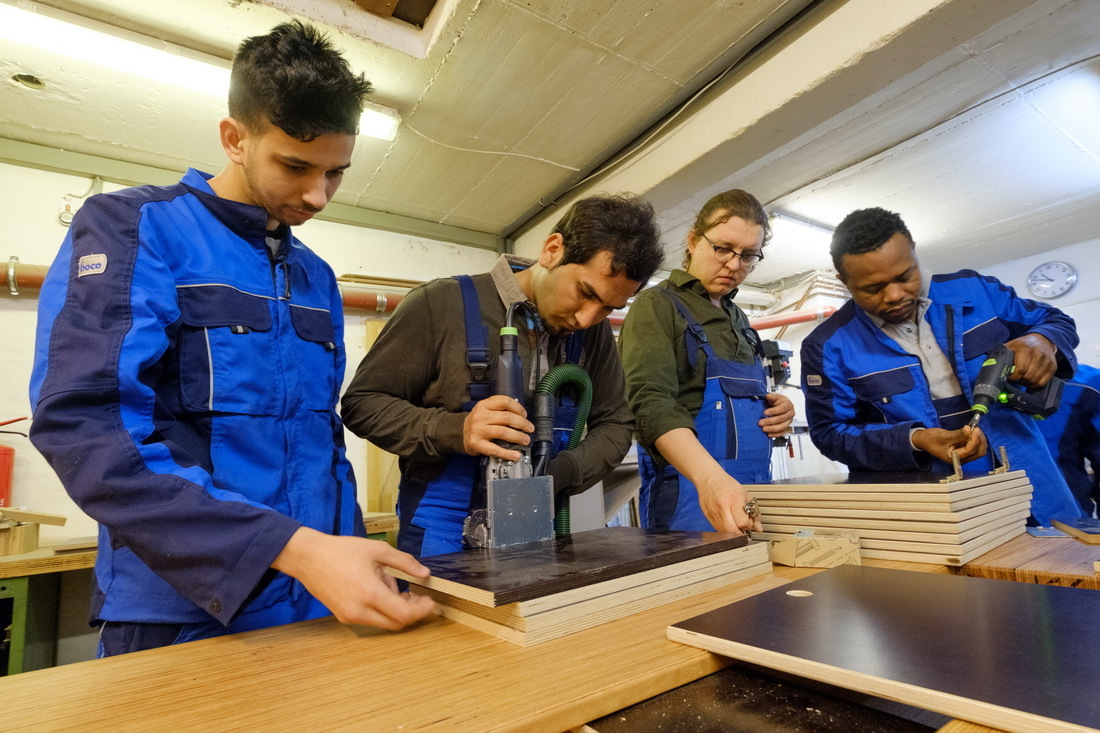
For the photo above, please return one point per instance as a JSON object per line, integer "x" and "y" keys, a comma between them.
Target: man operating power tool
{"x": 892, "y": 378}
{"x": 422, "y": 391}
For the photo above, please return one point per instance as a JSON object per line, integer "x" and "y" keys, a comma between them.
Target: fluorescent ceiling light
{"x": 130, "y": 53}
{"x": 794, "y": 230}
{"x": 379, "y": 121}
{"x": 87, "y": 41}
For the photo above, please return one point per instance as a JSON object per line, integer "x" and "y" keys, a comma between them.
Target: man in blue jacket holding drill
{"x": 889, "y": 378}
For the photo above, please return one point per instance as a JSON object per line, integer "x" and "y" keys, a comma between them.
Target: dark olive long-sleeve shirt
{"x": 408, "y": 392}
{"x": 664, "y": 391}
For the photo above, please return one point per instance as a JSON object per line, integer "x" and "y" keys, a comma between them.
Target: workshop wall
{"x": 1081, "y": 302}
{"x": 30, "y": 202}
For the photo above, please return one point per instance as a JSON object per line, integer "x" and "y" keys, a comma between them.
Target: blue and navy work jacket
{"x": 184, "y": 391}
{"x": 864, "y": 393}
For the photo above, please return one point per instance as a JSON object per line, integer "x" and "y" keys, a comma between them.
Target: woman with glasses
{"x": 695, "y": 379}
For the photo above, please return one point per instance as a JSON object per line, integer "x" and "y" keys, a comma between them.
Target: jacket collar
{"x": 245, "y": 220}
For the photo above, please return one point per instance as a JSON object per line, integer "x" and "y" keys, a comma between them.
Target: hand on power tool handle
{"x": 1028, "y": 361}
{"x": 493, "y": 422}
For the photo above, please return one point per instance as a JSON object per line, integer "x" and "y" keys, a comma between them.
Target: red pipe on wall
{"x": 26, "y": 277}
{"x": 786, "y": 319}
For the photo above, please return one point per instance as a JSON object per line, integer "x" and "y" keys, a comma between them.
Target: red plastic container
{"x": 7, "y": 463}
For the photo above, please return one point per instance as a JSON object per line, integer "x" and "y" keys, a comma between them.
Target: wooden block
{"x": 1086, "y": 529}
{"x": 1026, "y": 662}
{"x": 377, "y": 522}
{"x": 22, "y": 515}
{"x": 19, "y": 539}
{"x": 495, "y": 577}
{"x": 76, "y": 544}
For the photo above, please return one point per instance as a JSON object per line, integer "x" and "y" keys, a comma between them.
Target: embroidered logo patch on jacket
{"x": 91, "y": 265}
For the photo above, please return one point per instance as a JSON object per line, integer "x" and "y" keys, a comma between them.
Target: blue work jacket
{"x": 864, "y": 393}
{"x": 184, "y": 391}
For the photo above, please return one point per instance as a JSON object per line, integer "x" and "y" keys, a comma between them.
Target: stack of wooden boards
{"x": 532, "y": 593}
{"x": 915, "y": 518}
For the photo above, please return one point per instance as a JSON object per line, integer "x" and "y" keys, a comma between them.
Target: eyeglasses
{"x": 725, "y": 254}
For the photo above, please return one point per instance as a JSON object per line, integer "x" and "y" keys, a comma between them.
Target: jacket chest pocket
{"x": 881, "y": 388}
{"x": 980, "y": 340}
{"x": 316, "y": 358}
{"x": 227, "y": 351}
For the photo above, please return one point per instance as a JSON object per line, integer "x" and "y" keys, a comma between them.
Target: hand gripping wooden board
{"x": 1014, "y": 656}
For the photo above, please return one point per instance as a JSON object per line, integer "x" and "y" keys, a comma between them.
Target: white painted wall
{"x": 29, "y": 205}
{"x": 1082, "y": 302}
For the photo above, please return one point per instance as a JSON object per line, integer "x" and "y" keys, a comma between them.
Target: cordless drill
{"x": 992, "y": 387}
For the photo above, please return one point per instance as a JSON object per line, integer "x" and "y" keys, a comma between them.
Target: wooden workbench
{"x": 45, "y": 560}
{"x": 1046, "y": 560}
{"x": 322, "y": 675}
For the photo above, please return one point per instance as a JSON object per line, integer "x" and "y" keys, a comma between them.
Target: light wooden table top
{"x": 322, "y": 675}
{"x": 45, "y": 560}
{"x": 1046, "y": 560}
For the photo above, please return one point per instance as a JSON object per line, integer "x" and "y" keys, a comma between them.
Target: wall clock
{"x": 1051, "y": 279}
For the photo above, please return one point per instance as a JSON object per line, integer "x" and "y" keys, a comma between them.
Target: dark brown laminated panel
{"x": 1015, "y": 656}
{"x": 523, "y": 572}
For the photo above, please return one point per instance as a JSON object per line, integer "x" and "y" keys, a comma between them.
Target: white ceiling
{"x": 976, "y": 119}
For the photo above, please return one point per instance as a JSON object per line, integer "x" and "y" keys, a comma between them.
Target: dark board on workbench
{"x": 1015, "y": 656}
{"x": 523, "y": 572}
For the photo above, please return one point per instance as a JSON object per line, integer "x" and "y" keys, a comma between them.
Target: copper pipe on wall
{"x": 786, "y": 319}
{"x": 24, "y": 279}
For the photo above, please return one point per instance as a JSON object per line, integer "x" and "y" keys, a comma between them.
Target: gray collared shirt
{"x": 510, "y": 292}
{"x": 919, "y": 340}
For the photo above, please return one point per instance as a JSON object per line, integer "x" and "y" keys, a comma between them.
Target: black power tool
{"x": 993, "y": 387}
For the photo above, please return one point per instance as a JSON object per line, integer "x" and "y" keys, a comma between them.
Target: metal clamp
{"x": 13, "y": 284}
{"x": 958, "y": 468}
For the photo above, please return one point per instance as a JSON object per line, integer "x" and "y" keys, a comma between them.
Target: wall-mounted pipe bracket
{"x": 13, "y": 284}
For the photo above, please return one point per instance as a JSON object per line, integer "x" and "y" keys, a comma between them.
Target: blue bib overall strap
{"x": 727, "y": 425}
{"x": 477, "y": 342}
{"x": 432, "y": 512}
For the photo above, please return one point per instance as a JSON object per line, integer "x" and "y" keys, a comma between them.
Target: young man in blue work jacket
{"x": 889, "y": 377}
{"x": 188, "y": 362}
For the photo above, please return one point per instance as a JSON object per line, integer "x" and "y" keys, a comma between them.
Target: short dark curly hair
{"x": 623, "y": 225}
{"x": 863, "y": 231}
{"x": 294, "y": 79}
